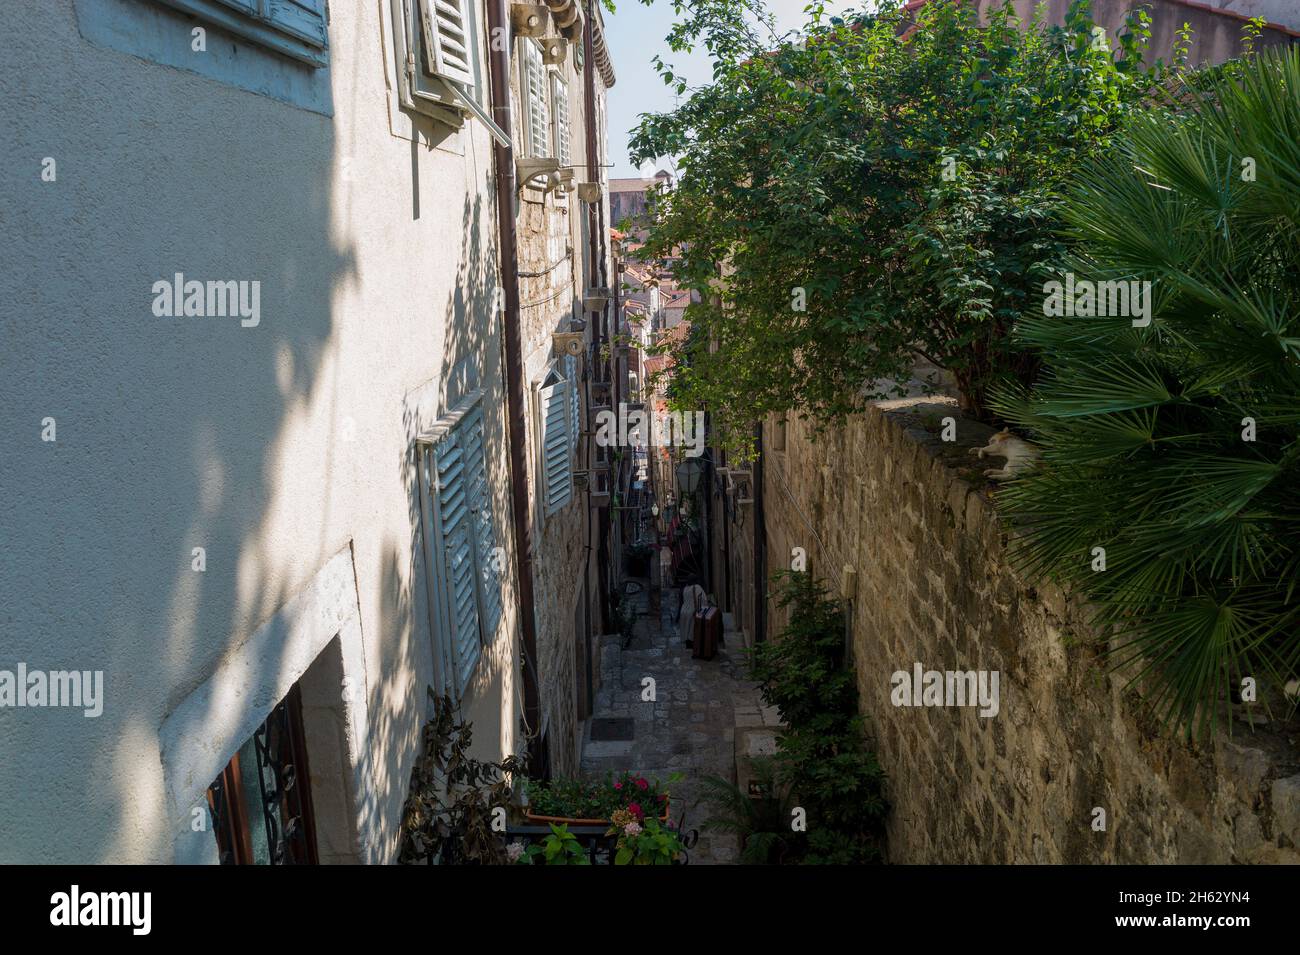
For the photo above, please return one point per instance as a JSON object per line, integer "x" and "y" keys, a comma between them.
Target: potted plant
{"x": 585, "y": 802}
{"x": 561, "y": 847}
{"x": 644, "y": 841}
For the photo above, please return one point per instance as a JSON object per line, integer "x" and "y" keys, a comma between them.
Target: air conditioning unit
{"x": 589, "y": 192}
{"x": 528, "y": 19}
{"x": 554, "y": 50}
{"x": 568, "y": 343}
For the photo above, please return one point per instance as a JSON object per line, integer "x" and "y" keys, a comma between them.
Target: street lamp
{"x": 689, "y": 473}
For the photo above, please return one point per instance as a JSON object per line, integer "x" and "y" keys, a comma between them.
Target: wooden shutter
{"x": 447, "y": 39}
{"x": 453, "y": 476}
{"x": 556, "y": 477}
{"x": 484, "y": 530}
{"x": 560, "y": 107}
{"x": 295, "y": 28}
{"x": 534, "y": 81}
{"x": 575, "y": 425}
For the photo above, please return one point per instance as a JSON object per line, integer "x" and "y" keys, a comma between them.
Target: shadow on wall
{"x": 471, "y": 359}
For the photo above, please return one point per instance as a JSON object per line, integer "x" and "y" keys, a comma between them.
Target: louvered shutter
{"x": 535, "y": 92}
{"x": 295, "y": 28}
{"x": 447, "y": 39}
{"x": 560, "y": 107}
{"x": 454, "y": 477}
{"x": 575, "y": 425}
{"x": 484, "y": 529}
{"x": 556, "y": 475}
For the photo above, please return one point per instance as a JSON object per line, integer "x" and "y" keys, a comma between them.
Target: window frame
{"x": 530, "y": 57}
{"x": 452, "y": 673}
{"x": 559, "y": 94}
{"x": 227, "y": 805}
{"x": 552, "y": 501}
{"x": 442, "y": 98}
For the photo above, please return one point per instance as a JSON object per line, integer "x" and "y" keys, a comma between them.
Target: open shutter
{"x": 447, "y": 39}
{"x": 575, "y": 425}
{"x": 560, "y": 106}
{"x": 305, "y": 19}
{"x": 489, "y": 570}
{"x": 556, "y": 478}
{"x": 454, "y": 476}
{"x": 535, "y": 88}
{"x": 295, "y": 28}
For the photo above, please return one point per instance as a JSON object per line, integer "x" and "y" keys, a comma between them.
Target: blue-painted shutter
{"x": 484, "y": 530}
{"x": 303, "y": 18}
{"x": 575, "y": 405}
{"x": 557, "y": 476}
{"x": 454, "y": 472}
{"x": 296, "y": 28}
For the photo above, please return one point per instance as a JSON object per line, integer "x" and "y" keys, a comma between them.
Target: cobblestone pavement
{"x": 689, "y": 728}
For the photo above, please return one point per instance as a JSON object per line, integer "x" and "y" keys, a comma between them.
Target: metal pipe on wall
{"x": 516, "y": 418}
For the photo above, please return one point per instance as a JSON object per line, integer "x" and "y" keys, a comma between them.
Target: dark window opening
{"x": 261, "y": 803}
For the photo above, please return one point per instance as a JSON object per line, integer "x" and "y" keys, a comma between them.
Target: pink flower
{"x": 642, "y": 784}
{"x": 636, "y": 810}
{"x": 632, "y": 829}
{"x": 618, "y": 785}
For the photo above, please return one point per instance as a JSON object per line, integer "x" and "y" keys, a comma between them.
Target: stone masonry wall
{"x": 913, "y": 515}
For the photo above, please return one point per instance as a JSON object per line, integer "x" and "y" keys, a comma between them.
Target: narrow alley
{"x": 700, "y": 708}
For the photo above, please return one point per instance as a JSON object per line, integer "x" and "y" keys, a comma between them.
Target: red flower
{"x": 618, "y": 785}
{"x": 636, "y": 810}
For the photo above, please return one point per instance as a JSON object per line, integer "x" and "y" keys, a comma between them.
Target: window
{"x": 261, "y": 803}
{"x": 532, "y": 81}
{"x": 440, "y": 66}
{"x": 560, "y": 108}
{"x": 555, "y": 450}
{"x": 463, "y": 564}
{"x": 295, "y": 28}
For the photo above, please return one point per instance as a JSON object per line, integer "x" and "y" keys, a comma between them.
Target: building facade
{"x": 258, "y": 467}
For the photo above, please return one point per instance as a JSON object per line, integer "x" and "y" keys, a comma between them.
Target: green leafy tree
{"x": 849, "y": 201}
{"x": 1173, "y": 447}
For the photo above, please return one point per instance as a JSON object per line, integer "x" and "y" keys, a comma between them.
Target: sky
{"x": 634, "y": 35}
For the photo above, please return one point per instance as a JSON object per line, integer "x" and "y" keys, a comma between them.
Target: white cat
{"x": 1020, "y": 454}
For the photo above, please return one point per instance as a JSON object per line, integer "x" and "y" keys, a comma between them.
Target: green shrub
{"x": 1176, "y": 447}
{"x": 822, "y": 754}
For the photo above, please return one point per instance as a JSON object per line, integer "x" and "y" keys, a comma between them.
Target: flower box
{"x": 570, "y": 821}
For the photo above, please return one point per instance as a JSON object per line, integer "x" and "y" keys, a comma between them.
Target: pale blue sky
{"x": 635, "y": 34}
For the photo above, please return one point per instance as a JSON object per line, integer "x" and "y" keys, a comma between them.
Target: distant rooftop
{"x": 639, "y": 185}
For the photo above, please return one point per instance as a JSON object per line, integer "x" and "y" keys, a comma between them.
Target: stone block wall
{"x": 913, "y": 515}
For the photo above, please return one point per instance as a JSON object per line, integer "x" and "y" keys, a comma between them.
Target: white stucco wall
{"x": 275, "y": 447}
